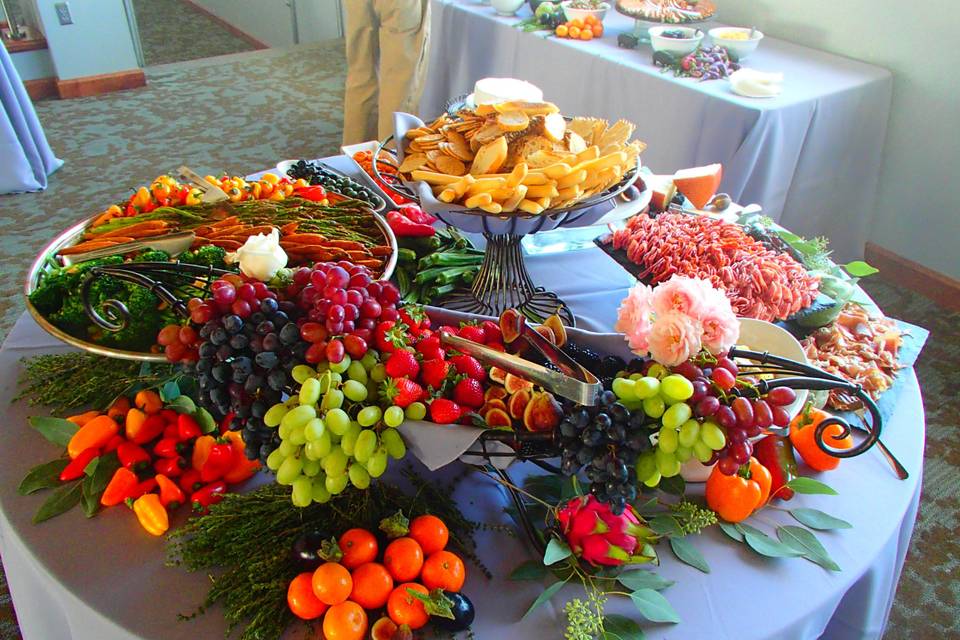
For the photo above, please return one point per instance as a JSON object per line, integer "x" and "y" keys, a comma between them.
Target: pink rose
{"x": 680, "y": 294}
{"x": 633, "y": 317}
{"x": 721, "y": 328}
{"x": 674, "y": 338}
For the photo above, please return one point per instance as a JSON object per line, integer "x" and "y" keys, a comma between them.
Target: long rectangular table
{"x": 811, "y": 156}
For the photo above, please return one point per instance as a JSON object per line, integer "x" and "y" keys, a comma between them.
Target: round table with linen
{"x": 104, "y": 579}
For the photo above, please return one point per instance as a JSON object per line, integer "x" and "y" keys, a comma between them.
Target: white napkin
{"x": 756, "y": 84}
{"x": 437, "y": 445}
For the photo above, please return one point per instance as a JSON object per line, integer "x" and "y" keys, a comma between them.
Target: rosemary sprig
{"x": 67, "y": 381}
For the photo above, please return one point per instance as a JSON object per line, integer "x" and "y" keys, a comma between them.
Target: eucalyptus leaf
{"x": 60, "y": 501}
{"x": 802, "y": 484}
{"x": 803, "y": 541}
{"x": 686, "y": 552}
{"x": 205, "y": 420}
{"x": 665, "y": 525}
{"x": 529, "y": 570}
{"x": 183, "y": 404}
{"x": 816, "y": 519}
{"x": 674, "y": 485}
{"x": 653, "y": 606}
{"x": 556, "y": 551}
{"x": 731, "y": 531}
{"x": 617, "y": 627}
{"x": 642, "y": 579}
{"x": 548, "y": 593}
{"x": 767, "y": 546}
{"x": 56, "y": 430}
{"x": 860, "y": 269}
{"x": 43, "y": 476}
{"x": 170, "y": 391}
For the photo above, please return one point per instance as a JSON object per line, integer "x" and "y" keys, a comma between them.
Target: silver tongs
{"x": 210, "y": 192}
{"x": 572, "y": 381}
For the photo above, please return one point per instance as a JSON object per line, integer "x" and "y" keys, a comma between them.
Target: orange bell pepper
{"x": 142, "y": 428}
{"x": 242, "y": 469}
{"x": 201, "y": 451}
{"x": 123, "y": 483}
{"x": 171, "y": 495}
{"x": 803, "y": 430}
{"x": 119, "y": 408}
{"x": 83, "y": 418}
{"x": 148, "y": 401}
{"x": 735, "y": 497}
{"x": 93, "y": 434}
{"x": 151, "y": 514}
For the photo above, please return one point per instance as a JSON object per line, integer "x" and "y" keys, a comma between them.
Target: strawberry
{"x": 469, "y": 392}
{"x": 469, "y": 366}
{"x": 389, "y": 336}
{"x": 402, "y": 364}
{"x": 434, "y": 372}
{"x": 472, "y": 332}
{"x": 402, "y": 392}
{"x": 443, "y": 411}
{"x": 414, "y": 316}
{"x": 491, "y": 332}
{"x": 430, "y": 348}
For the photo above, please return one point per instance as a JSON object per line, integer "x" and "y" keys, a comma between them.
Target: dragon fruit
{"x": 598, "y": 536}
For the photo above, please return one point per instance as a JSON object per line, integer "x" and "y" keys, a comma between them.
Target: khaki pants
{"x": 386, "y": 40}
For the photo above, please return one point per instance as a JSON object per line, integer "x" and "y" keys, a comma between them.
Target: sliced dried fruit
{"x": 495, "y": 392}
{"x": 547, "y": 333}
{"x": 514, "y": 384}
{"x": 518, "y": 402}
{"x": 514, "y": 121}
{"x": 499, "y": 418}
{"x": 559, "y": 331}
{"x": 492, "y": 404}
{"x": 510, "y": 325}
{"x": 542, "y": 413}
{"x": 383, "y": 629}
{"x": 498, "y": 375}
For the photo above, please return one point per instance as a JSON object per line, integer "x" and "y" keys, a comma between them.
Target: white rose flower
{"x": 261, "y": 256}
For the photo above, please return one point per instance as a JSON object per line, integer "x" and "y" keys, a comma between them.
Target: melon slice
{"x": 699, "y": 184}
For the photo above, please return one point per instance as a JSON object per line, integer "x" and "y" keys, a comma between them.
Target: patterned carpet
{"x": 174, "y": 31}
{"x": 287, "y": 104}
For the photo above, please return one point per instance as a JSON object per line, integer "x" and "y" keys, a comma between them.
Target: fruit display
{"x": 668, "y": 11}
{"x": 401, "y": 583}
{"x": 712, "y": 63}
{"x": 519, "y": 157}
{"x": 761, "y": 283}
{"x": 587, "y": 29}
{"x": 316, "y": 173}
{"x": 151, "y": 455}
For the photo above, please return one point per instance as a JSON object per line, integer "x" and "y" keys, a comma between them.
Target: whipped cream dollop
{"x": 261, "y": 256}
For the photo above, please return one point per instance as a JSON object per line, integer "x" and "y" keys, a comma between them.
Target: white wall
{"x": 32, "y": 65}
{"x": 918, "y": 203}
{"x": 271, "y": 22}
{"x": 97, "y": 42}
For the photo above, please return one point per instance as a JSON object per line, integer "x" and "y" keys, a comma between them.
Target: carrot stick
{"x": 370, "y": 262}
{"x": 229, "y": 245}
{"x": 305, "y": 238}
{"x": 83, "y": 247}
{"x": 132, "y": 230}
{"x": 226, "y": 222}
{"x": 382, "y": 250}
{"x": 289, "y": 228}
{"x": 345, "y": 244}
{"x": 353, "y": 256}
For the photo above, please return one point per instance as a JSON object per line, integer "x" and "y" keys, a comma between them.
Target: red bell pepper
{"x": 776, "y": 454}
{"x": 75, "y": 469}
{"x": 190, "y": 480}
{"x": 218, "y": 463}
{"x": 316, "y": 193}
{"x": 415, "y": 214}
{"x": 403, "y": 226}
{"x": 166, "y": 448}
{"x": 133, "y": 457}
{"x": 227, "y": 422}
{"x": 143, "y": 488}
{"x": 202, "y": 498}
{"x": 170, "y": 467}
{"x": 113, "y": 443}
{"x": 187, "y": 427}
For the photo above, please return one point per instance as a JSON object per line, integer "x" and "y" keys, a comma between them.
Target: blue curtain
{"x": 25, "y": 157}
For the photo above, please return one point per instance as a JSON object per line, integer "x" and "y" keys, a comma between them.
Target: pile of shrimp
{"x": 760, "y": 283}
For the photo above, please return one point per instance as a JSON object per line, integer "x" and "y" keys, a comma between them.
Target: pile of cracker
{"x": 519, "y": 157}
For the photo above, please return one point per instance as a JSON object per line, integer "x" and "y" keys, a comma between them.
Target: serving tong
{"x": 172, "y": 243}
{"x": 209, "y": 192}
{"x": 573, "y": 381}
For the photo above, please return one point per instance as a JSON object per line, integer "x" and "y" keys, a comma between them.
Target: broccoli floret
{"x": 49, "y": 295}
{"x": 152, "y": 255}
{"x": 71, "y": 316}
{"x": 140, "y": 301}
{"x": 208, "y": 255}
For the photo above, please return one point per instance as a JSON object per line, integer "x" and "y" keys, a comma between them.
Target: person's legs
{"x": 360, "y": 96}
{"x": 404, "y": 38}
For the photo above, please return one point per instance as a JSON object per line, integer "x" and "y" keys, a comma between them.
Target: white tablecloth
{"x": 811, "y": 156}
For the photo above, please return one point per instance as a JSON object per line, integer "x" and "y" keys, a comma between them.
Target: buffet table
{"x": 104, "y": 579}
{"x": 811, "y": 157}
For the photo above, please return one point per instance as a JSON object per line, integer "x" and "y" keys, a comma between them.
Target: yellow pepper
{"x": 94, "y": 433}
{"x": 254, "y": 189}
{"x": 152, "y": 514}
{"x": 272, "y": 178}
{"x": 193, "y": 197}
{"x": 142, "y": 197}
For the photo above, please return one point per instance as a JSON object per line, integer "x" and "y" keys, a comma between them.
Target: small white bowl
{"x": 738, "y": 49}
{"x": 573, "y": 14}
{"x": 675, "y": 46}
{"x": 507, "y": 7}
